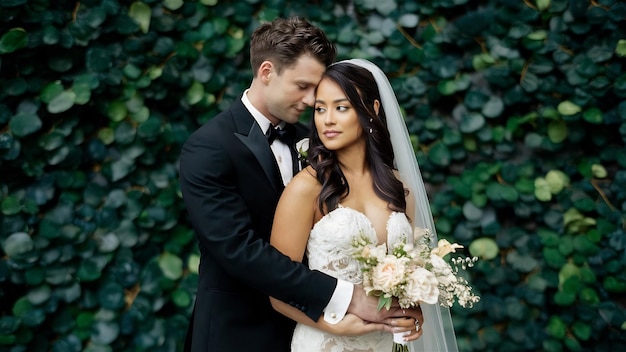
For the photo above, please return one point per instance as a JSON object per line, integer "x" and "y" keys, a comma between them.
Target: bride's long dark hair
{"x": 361, "y": 90}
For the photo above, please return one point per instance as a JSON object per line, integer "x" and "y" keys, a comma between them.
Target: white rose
{"x": 422, "y": 286}
{"x": 388, "y": 274}
{"x": 443, "y": 270}
{"x": 302, "y": 146}
{"x": 379, "y": 252}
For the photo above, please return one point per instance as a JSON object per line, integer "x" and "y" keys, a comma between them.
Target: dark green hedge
{"x": 517, "y": 110}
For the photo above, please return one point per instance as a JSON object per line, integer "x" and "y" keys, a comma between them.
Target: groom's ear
{"x": 376, "y": 106}
{"x": 266, "y": 69}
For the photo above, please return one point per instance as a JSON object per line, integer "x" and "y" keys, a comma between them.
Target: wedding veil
{"x": 438, "y": 330}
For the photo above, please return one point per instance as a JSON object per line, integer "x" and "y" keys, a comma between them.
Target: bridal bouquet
{"x": 414, "y": 273}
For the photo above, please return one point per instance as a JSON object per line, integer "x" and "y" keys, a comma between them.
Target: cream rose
{"x": 422, "y": 286}
{"x": 388, "y": 274}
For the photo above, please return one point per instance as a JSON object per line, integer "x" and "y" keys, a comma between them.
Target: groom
{"x": 232, "y": 172}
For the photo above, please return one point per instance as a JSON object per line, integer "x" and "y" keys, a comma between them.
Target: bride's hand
{"x": 408, "y": 325}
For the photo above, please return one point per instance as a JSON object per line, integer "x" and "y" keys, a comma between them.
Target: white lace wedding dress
{"x": 329, "y": 250}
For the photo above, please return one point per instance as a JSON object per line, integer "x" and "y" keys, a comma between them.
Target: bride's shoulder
{"x": 304, "y": 183}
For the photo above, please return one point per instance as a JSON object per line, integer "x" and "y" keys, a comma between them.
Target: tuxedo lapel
{"x": 250, "y": 134}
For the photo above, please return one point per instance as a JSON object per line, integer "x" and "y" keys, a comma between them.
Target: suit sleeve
{"x": 223, "y": 225}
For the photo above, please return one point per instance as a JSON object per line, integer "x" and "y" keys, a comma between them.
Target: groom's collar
{"x": 261, "y": 120}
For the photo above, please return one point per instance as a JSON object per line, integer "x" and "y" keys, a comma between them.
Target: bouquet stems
{"x": 398, "y": 347}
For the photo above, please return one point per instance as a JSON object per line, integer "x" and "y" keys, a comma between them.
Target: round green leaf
{"x": 105, "y": 332}
{"x": 51, "y": 91}
{"x": 582, "y": 330}
{"x": 567, "y": 108}
{"x": 18, "y": 244}
{"x": 173, "y": 4}
{"x": 121, "y": 168}
{"x": 482, "y": 61}
{"x": 589, "y": 296}
{"x": 181, "y": 298}
{"x": 11, "y": 206}
{"x": 598, "y": 171}
{"x": 557, "y": 180}
{"x": 35, "y": 276}
{"x": 563, "y": 298}
{"x": 542, "y": 190}
{"x": 493, "y": 107}
{"x": 408, "y": 20}
{"x": 193, "y": 263}
{"x": 89, "y": 270}
{"x": 543, "y": 4}
{"x": 14, "y": 39}
{"x": 24, "y": 124}
{"x": 439, "y": 154}
{"x": 141, "y": 115}
{"x": 111, "y": 296}
{"x": 538, "y": 35}
{"x": 195, "y": 93}
{"x": 593, "y": 115}
{"x": 386, "y": 7}
{"x": 471, "y": 122}
{"x": 108, "y": 242}
{"x": 447, "y": 87}
{"x": 620, "y": 48}
{"x": 171, "y": 265}
{"x": 106, "y": 135}
{"x": 141, "y": 13}
{"x": 557, "y": 131}
{"x": 62, "y": 102}
{"x": 522, "y": 263}
{"x": 472, "y": 212}
{"x": 52, "y": 141}
{"x": 485, "y": 248}
{"x": 39, "y": 294}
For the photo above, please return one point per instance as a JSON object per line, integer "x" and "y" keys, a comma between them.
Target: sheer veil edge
{"x": 438, "y": 329}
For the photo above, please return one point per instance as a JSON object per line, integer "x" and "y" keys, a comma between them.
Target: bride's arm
{"x": 295, "y": 215}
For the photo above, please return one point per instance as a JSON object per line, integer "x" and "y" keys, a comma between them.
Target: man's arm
{"x": 222, "y": 222}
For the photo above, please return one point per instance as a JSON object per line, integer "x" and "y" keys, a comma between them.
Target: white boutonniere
{"x": 302, "y": 147}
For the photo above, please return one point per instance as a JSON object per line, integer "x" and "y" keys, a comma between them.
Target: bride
{"x": 355, "y": 187}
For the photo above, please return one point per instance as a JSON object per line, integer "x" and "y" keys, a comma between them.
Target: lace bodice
{"x": 329, "y": 250}
{"x": 330, "y": 242}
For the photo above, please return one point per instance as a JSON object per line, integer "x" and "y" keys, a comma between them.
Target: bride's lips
{"x": 331, "y": 133}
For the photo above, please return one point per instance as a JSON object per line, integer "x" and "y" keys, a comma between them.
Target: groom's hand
{"x": 366, "y": 308}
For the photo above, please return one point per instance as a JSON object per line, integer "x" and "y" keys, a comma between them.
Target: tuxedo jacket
{"x": 231, "y": 184}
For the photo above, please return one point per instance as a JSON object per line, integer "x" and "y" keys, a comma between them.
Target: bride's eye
{"x": 342, "y": 108}
{"x": 319, "y": 109}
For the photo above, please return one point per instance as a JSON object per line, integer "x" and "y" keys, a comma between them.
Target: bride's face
{"x": 335, "y": 118}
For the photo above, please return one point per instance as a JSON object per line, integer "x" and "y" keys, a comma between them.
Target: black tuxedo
{"x": 231, "y": 184}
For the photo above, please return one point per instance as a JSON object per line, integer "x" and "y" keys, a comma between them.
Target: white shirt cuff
{"x": 339, "y": 302}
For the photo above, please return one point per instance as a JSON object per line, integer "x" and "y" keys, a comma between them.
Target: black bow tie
{"x": 285, "y": 135}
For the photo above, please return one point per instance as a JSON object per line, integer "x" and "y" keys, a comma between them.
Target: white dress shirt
{"x": 282, "y": 152}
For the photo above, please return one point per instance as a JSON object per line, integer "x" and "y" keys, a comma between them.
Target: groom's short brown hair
{"x": 284, "y": 41}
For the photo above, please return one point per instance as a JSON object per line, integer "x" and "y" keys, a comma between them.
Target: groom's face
{"x": 289, "y": 93}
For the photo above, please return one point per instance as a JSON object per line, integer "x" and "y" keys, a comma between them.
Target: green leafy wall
{"x": 517, "y": 110}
